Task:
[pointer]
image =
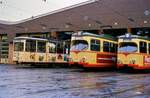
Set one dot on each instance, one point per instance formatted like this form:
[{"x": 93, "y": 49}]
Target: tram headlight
[{"x": 132, "y": 61}]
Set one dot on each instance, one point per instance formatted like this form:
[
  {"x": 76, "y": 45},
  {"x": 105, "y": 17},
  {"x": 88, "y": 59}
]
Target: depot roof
[{"x": 93, "y": 14}]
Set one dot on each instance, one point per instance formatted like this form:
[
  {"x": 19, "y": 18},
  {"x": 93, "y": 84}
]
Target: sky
[{"x": 17, "y": 10}]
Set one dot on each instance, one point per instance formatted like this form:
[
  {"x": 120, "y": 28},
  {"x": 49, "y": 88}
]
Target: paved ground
[{"x": 71, "y": 83}]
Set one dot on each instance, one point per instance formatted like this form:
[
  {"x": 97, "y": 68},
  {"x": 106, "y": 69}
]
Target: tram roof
[
  {"x": 40, "y": 39},
  {"x": 94, "y": 14},
  {"x": 30, "y": 38},
  {"x": 133, "y": 37},
  {"x": 105, "y": 36}
]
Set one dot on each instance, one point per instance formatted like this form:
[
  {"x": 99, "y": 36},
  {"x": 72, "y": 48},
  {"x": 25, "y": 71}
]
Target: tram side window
[
  {"x": 52, "y": 48},
  {"x": 106, "y": 46},
  {"x": 112, "y": 47},
  {"x": 41, "y": 46},
  {"x": 60, "y": 48},
  {"x": 143, "y": 47},
  {"x": 30, "y": 45},
  {"x": 95, "y": 45},
  {"x": 18, "y": 46}
]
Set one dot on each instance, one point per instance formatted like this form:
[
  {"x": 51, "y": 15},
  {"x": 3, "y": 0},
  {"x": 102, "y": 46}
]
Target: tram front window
[
  {"x": 79, "y": 45},
  {"x": 18, "y": 46},
  {"x": 127, "y": 47}
]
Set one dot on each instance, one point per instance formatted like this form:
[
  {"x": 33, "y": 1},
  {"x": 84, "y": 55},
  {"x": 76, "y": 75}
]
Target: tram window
[
  {"x": 67, "y": 48},
  {"x": 30, "y": 45},
  {"x": 149, "y": 48},
  {"x": 116, "y": 46},
  {"x": 79, "y": 45},
  {"x": 18, "y": 46},
  {"x": 127, "y": 47},
  {"x": 60, "y": 48},
  {"x": 52, "y": 48},
  {"x": 106, "y": 46},
  {"x": 95, "y": 45},
  {"x": 41, "y": 46},
  {"x": 143, "y": 47},
  {"x": 112, "y": 47}
]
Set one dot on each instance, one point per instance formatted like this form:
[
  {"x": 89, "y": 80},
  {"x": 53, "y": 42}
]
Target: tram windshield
[
  {"x": 127, "y": 47},
  {"x": 18, "y": 46},
  {"x": 79, "y": 45}
]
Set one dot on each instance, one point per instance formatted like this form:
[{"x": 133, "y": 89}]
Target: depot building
[{"x": 114, "y": 17}]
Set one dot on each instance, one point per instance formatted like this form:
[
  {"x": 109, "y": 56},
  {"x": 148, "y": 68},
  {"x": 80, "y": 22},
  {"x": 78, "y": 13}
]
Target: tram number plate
[{"x": 127, "y": 40}]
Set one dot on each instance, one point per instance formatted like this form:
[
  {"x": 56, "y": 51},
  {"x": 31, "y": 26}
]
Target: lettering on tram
[
  {"x": 133, "y": 54},
  {"x": 38, "y": 50},
  {"x": 91, "y": 50}
]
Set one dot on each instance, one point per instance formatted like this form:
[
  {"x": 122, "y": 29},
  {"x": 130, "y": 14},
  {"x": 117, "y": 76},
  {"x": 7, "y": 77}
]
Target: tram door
[
  {"x": 57, "y": 52},
  {"x": 60, "y": 52},
  {"x": 51, "y": 55}
]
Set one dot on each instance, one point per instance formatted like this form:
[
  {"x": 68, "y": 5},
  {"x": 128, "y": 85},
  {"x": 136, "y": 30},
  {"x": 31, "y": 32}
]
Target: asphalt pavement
[{"x": 71, "y": 83}]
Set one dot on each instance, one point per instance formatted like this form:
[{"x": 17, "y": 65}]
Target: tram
[
  {"x": 29, "y": 50},
  {"x": 93, "y": 51},
  {"x": 133, "y": 52}
]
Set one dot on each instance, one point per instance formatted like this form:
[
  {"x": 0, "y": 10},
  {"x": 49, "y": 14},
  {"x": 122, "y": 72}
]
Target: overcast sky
[{"x": 16, "y": 10}]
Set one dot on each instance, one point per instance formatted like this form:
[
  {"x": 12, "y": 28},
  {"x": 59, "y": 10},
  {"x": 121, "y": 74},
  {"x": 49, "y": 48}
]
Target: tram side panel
[
  {"x": 133, "y": 54},
  {"x": 57, "y": 53},
  {"x": 90, "y": 58},
  {"x": 130, "y": 60},
  {"x": 38, "y": 51}
]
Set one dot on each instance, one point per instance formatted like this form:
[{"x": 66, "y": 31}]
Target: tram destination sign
[{"x": 127, "y": 39}]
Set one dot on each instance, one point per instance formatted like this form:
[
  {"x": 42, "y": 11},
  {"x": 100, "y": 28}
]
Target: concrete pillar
[{"x": 10, "y": 52}]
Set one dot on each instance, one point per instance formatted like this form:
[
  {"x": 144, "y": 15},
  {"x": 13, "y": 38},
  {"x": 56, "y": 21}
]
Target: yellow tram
[
  {"x": 93, "y": 51},
  {"x": 29, "y": 50},
  {"x": 133, "y": 52}
]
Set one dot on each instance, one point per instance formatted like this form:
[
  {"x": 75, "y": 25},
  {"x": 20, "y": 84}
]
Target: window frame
[
  {"x": 106, "y": 48},
  {"x": 96, "y": 44},
  {"x": 74, "y": 47},
  {"x": 143, "y": 49},
  {"x": 20, "y": 43},
  {"x": 32, "y": 46},
  {"x": 42, "y": 46}
]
